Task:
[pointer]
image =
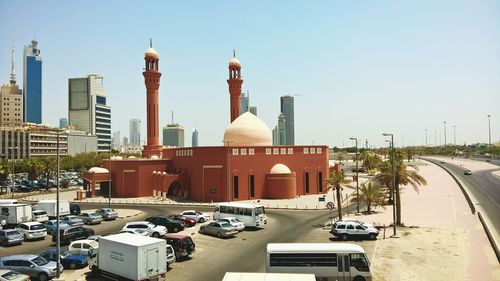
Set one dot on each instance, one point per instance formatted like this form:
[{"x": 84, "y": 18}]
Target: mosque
[{"x": 246, "y": 167}]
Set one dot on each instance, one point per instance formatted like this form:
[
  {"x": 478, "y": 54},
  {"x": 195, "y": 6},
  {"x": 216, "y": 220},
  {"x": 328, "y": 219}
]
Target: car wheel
[
  {"x": 202, "y": 230},
  {"x": 359, "y": 278},
  {"x": 72, "y": 265},
  {"x": 344, "y": 237},
  {"x": 373, "y": 236},
  {"x": 156, "y": 235},
  {"x": 202, "y": 220},
  {"x": 43, "y": 277},
  {"x": 25, "y": 237},
  {"x": 219, "y": 235}
]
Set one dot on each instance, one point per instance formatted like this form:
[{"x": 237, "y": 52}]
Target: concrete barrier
[{"x": 491, "y": 236}]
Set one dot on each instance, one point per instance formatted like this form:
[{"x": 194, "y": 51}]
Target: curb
[{"x": 484, "y": 221}]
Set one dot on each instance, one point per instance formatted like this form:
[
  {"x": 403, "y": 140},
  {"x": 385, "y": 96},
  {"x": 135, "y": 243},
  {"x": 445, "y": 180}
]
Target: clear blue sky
[{"x": 359, "y": 68}]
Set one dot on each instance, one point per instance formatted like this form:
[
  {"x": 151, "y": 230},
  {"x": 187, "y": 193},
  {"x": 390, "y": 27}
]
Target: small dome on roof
[
  {"x": 234, "y": 62},
  {"x": 98, "y": 170},
  {"x": 152, "y": 53},
  {"x": 247, "y": 130},
  {"x": 280, "y": 169}
]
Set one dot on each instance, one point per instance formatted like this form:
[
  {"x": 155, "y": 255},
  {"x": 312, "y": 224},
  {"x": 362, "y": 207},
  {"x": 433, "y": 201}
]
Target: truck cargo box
[
  {"x": 16, "y": 213},
  {"x": 50, "y": 206}
]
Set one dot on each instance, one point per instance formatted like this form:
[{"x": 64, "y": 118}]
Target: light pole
[
  {"x": 228, "y": 159},
  {"x": 357, "y": 180},
  {"x": 110, "y": 178},
  {"x": 444, "y": 133},
  {"x": 393, "y": 183},
  {"x": 454, "y": 135},
  {"x": 13, "y": 171},
  {"x": 58, "y": 260},
  {"x": 489, "y": 134},
  {"x": 425, "y": 137}
]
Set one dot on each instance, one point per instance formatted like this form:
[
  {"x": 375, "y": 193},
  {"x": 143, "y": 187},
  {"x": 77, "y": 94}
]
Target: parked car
[
  {"x": 73, "y": 233},
  {"x": 68, "y": 259},
  {"x": 353, "y": 220},
  {"x": 51, "y": 226},
  {"x": 351, "y": 229},
  {"x": 91, "y": 218},
  {"x": 199, "y": 217},
  {"x": 32, "y": 230},
  {"x": 234, "y": 222},
  {"x": 467, "y": 172},
  {"x": 10, "y": 237},
  {"x": 40, "y": 216},
  {"x": 153, "y": 230},
  {"x": 219, "y": 229},
  {"x": 107, "y": 214},
  {"x": 32, "y": 265},
  {"x": 170, "y": 224},
  {"x": 141, "y": 232},
  {"x": 188, "y": 221},
  {"x": 94, "y": 237},
  {"x": 170, "y": 255},
  {"x": 83, "y": 247},
  {"x": 74, "y": 209},
  {"x": 11, "y": 275},
  {"x": 183, "y": 244},
  {"x": 72, "y": 220}
]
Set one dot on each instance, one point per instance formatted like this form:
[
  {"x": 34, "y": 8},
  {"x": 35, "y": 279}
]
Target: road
[{"x": 484, "y": 186}]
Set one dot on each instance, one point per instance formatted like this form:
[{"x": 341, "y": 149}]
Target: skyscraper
[
  {"x": 173, "y": 135},
  {"x": 125, "y": 141},
  {"x": 32, "y": 84},
  {"x": 135, "y": 132},
  {"x": 244, "y": 103},
  {"x": 63, "y": 122},
  {"x": 88, "y": 111},
  {"x": 287, "y": 109},
  {"x": 253, "y": 110},
  {"x": 281, "y": 129},
  {"x": 11, "y": 97},
  {"x": 116, "y": 139},
  {"x": 194, "y": 138}
]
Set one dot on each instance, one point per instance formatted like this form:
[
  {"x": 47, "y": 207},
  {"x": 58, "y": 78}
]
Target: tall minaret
[
  {"x": 152, "y": 80},
  {"x": 13, "y": 67},
  {"x": 235, "y": 82}
]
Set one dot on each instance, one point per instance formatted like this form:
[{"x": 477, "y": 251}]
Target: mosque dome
[
  {"x": 234, "y": 62},
  {"x": 98, "y": 170},
  {"x": 152, "y": 53},
  {"x": 280, "y": 169},
  {"x": 248, "y": 130}
]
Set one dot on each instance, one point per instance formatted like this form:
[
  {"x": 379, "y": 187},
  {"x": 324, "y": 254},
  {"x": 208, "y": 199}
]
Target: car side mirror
[{"x": 32, "y": 265}]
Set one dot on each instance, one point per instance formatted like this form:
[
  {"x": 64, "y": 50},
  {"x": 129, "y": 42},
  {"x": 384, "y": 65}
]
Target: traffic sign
[{"x": 330, "y": 205}]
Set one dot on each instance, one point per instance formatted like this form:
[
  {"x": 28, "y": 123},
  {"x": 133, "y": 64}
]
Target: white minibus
[
  {"x": 327, "y": 261},
  {"x": 250, "y": 214}
]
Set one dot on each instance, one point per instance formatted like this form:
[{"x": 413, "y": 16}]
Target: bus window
[
  {"x": 259, "y": 211},
  {"x": 216, "y": 209},
  {"x": 359, "y": 262}
]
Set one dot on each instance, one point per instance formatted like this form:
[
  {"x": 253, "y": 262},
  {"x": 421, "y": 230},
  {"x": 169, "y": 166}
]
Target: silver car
[
  {"x": 91, "y": 218},
  {"x": 32, "y": 230},
  {"x": 10, "y": 237},
  {"x": 32, "y": 265},
  {"x": 219, "y": 229},
  {"x": 107, "y": 213},
  {"x": 72, "y": 220}
]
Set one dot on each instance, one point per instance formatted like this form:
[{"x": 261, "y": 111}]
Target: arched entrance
[{"x": 175, "y": 189}]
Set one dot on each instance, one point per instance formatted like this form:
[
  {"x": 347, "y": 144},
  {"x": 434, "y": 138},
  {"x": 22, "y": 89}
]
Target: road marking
[
  {"x": 452, "y": 203},
  {"x": 374, "y": 250}
]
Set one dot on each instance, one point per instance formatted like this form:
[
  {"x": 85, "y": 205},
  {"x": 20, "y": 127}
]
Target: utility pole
[
  {"x": 444, "y": 133},
  {"x": 454, "y": 135},
  {"x": 425, "y": 137},
  {"x": 357, "y": 176},
  {"x": 489, "y": 135}
]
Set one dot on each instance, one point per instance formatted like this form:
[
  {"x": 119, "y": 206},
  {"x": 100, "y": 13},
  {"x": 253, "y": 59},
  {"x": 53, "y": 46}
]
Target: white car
[
  {"x": 83, "y": 247},
  {"x": 199, "y": 217},
  {"x": 137, "y": 231},
  {"x": 355, "y": 220},
  {"x": 32, "y": 230},
  {"x": 152, "y": 230},
  {"x": 234, "y": 222},
  {"x": 40, "y": 216}
]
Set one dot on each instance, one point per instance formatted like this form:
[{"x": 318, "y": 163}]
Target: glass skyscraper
[
  {"x": 32, "y": 84},
  {"x": 287, "y": 109},
  {"x": 194, "y": 138}
]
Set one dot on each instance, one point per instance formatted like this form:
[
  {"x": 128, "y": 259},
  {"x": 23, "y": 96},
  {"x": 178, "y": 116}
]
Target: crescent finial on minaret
[{"x": 150, "y": 43}]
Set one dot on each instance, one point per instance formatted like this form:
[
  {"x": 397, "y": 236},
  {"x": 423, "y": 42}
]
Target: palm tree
[
  {"x": 33, "y": 167},
  {"x": 336, "y": 179},
  {"x": 370, "y": 194},
  {"x": 48, "y": 168},
  {"x": 403, "y": 176},
  {"x": 4, "y": 174}
]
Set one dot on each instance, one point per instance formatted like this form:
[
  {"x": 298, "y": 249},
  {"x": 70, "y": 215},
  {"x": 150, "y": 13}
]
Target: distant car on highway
[
  {"x": 467, "y": 172},
  {"x": 219, "y": 229}
]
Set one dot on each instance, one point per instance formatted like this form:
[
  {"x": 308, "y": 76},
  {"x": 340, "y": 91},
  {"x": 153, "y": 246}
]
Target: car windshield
[
  {"x": 39, "y": 261},
  {"x": 12, "y": 233},
  {"x": 37, "y": 227},
  {"x": 95, "y": 215},
  {"x": 226, "y": 224},
  {"x": 169, "y": 250}
]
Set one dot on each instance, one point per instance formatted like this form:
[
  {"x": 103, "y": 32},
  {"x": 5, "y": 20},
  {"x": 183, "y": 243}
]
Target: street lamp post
[
  {"x": 489, "y": 135},
  {"x": 444, "y": 133},
  {"x": 454, "y": 135},
  {"x": 13, "y": 171},
  {"x": 425, "y": 137},
  {"x": 357, "y": 180},
  {"x": 393, "y": 183},
  {"x": 58, "y": 251},
  {"x": 110, "y": 179}
]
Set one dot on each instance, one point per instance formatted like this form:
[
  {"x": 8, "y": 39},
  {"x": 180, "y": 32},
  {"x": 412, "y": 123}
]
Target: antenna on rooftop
[{"x": 172, "y": 117}]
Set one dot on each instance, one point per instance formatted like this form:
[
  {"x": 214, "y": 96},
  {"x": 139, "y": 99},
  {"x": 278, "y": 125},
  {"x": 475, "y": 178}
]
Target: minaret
[
  {"x": 235, "y": 82},
  {"x": 152, "y": 80},
  {"x": 13, "y": 67}
]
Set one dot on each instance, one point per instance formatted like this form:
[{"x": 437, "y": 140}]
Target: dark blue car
[{"x": 68, "y": 260}]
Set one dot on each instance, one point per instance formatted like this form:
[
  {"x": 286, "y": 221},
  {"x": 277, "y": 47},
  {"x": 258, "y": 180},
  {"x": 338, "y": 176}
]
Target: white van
[
  {"x": 327, "y": 261},
  {"x": 40, "y": 216}
]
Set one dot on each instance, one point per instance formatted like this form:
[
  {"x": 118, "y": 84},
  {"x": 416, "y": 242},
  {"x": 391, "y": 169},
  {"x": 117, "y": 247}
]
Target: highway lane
[{"x": 484, "y": 186}]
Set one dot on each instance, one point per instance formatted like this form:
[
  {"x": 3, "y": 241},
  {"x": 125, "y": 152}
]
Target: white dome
[
  {"x": 234, "y": 62},
  {"x": 247, "y": 130},
  {"x": 280, "y": 169},
  {"x": 98, "y": 170},
  {"x": 152, "y": 53}
]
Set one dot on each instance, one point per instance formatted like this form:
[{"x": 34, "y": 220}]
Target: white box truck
[
  {"x": 16, "y": 213},
  {"x": 50, "y": 206},
  {"x": 130, "y": 256},
  {"x": 252, "y": 276}
]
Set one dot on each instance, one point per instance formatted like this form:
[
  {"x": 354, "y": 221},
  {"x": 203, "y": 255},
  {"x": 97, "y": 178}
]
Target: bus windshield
[
  {"x": 360, "y": 262},
  {"x": 260, "y": 211}
]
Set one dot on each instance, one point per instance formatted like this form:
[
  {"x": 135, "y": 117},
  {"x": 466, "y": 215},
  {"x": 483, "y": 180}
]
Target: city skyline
[{"x": 343, "y": 63}]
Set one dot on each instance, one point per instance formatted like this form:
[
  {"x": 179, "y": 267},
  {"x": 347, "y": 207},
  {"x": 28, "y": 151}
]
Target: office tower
[
  {"x": 244, "y": 103},
  {"x": 194, "y": 138},
  {"x": 135, "y": 132},
  {"x": 125, "y": 141},
  {"x": 11, "y": 99},
  {"x": 88, "y": 111},
  {"x": 287, "y": 109},
  {"x": 116, "y": 139},
  {"x": 32, "y": 84},
  {"x": 63, "y": 123},
  {"x": 275, "y": 135},
  {"x": 173, "y": 135},
  {"x": 281, "y": 129},
  {"x": 253, "y": 110}
]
